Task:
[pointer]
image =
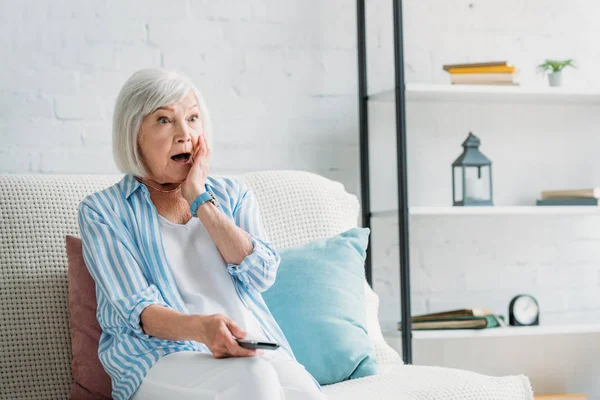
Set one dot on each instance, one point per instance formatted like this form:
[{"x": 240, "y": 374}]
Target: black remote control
[{"x": 256, "y": 344}]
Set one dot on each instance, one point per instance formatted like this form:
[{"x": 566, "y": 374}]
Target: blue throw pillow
[{"x": 318, "y": 300}]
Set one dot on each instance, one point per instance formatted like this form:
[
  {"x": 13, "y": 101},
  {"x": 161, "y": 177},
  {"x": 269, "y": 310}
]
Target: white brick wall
[
  {"x": 483, "y": 261},
  {"x": 524, "y": 32},
  {"x": 280, "y": 79}
]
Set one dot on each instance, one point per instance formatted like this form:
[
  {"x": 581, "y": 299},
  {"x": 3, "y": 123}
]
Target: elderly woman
[{"x": 180, "y": 259}]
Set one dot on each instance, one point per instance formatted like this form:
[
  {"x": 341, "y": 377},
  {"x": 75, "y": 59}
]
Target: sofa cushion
[
  {"x": 384, "y": 353},
  {"x": 318, "y": 300},
  {"x": 417, "y": 382},
  {"x": 91, "y": 382}
]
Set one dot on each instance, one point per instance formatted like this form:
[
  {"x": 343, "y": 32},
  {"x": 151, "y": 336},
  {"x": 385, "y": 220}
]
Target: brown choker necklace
[{"x": 157, "y": 189}]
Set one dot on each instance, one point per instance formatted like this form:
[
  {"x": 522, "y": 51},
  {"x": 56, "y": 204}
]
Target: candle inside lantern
[{"x": 475, "y": 189}]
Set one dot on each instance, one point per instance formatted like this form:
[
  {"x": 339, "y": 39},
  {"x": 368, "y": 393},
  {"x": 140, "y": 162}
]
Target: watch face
[{"x": 525, "y": 310}]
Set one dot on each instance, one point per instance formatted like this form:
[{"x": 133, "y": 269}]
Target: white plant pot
[{"x": 555, "y": 79}]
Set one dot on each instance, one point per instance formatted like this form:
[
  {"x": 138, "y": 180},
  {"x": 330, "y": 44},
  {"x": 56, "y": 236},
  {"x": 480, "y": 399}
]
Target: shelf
[
  {"x": 498, "y": 332},
  {"x": 494, "y": 210},
  {"x": 478, "y": 93}
]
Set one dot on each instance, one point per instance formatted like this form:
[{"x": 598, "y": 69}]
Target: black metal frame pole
[
  {"x": 401, "y": 168},
  {"x": 363, "y": 130},
  {"x": 402, "y": 185}
]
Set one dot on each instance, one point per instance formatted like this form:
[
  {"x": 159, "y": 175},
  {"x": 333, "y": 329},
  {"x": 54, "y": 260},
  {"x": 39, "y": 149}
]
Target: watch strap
[{"x": 201, "y": 199}]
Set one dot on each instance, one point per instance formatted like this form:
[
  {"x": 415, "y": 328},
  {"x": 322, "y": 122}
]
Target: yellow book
[
  {"x": 506, "y": 69},
  {"x": 565, "y": 396}
]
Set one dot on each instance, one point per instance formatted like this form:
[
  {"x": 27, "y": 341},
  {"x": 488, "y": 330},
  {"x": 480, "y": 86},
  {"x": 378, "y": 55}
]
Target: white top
[{"x": 202, "y": 278}]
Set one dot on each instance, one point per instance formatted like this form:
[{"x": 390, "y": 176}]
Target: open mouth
[{"x": 182, "y": 158}]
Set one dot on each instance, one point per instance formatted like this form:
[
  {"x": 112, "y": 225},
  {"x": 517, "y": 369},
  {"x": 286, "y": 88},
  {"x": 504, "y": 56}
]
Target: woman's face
[{"x": 165, "y": 135}]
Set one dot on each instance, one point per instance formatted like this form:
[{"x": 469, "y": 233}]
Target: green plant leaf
[{"x": 549, "y": 66}]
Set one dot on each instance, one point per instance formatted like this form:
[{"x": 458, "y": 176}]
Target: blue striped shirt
[{"x": 124, "y": 253}]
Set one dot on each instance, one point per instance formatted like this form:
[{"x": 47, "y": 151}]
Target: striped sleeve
[
  {"x": 259, "y": 268},
  {"x": 113, "y": 262}
]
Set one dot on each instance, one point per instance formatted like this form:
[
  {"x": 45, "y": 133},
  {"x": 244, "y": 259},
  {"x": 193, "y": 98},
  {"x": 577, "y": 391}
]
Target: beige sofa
[{"x": 37, "y": 211}]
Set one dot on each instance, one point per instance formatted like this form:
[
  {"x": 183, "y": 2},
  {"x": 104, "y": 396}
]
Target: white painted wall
[{"x": 280, "y": 79}]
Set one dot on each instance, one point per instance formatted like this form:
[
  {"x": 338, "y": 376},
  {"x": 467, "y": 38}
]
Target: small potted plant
[{"x": 554, "y": 68}]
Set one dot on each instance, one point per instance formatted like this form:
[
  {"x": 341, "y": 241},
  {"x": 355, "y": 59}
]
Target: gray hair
[{"x": 144, "y": 92}]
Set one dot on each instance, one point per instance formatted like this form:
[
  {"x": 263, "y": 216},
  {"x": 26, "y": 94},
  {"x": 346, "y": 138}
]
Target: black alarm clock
[{"x": 524, "y": 310}]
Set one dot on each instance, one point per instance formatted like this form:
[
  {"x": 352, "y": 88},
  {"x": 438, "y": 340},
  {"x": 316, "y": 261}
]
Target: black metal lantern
[{"x": 472, "y": 176}]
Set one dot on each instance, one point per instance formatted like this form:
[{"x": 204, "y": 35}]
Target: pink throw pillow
[{"x": 91, "y": 382}]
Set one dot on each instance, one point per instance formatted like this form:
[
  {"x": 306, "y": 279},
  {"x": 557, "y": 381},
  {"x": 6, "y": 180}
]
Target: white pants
[{"x": 187, "y": 375}]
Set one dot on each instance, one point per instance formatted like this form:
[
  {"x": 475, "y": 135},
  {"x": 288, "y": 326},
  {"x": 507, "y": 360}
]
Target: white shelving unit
[
  {"x": 499, "y": 332},
  {"x": 555, "y": 358},
  {"x": 382, "y": 139},
  {"x": 495, "y": 210},
  {"x": 511, "y": 94}
]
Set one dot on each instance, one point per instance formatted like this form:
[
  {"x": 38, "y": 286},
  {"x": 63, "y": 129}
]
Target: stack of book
[
  {"x": 570, "y": 197},
  {"x": 485, "y": 73},
  {"x": 466, "y": 318}
]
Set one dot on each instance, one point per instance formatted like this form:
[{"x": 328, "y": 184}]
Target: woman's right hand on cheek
[{"x": 216, "y": 332}]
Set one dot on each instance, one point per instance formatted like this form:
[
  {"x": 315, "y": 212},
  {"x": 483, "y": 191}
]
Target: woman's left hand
[{"x": 193, "y": 186}]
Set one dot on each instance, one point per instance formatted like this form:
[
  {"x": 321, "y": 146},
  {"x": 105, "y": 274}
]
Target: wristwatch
[{"x": 201, "y": 199}]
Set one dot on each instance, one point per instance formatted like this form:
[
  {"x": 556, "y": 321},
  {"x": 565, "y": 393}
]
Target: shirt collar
[{"x": 128, "y": 184}]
